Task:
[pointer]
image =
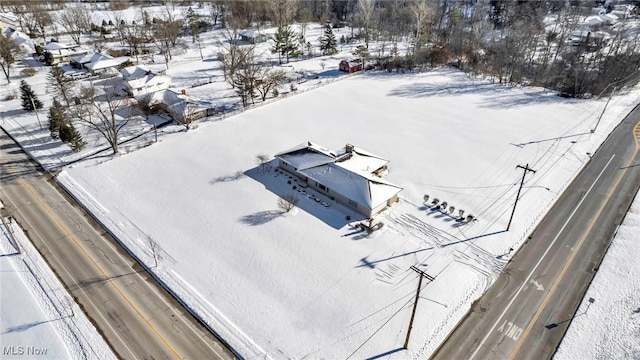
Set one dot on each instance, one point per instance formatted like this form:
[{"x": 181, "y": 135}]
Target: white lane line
[{"x": 528, "y": 278}]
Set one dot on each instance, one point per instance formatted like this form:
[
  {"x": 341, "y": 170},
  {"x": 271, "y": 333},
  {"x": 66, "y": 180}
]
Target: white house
[
  {"x": 21, "y": 39},
  {"x": 138, "y": 81},
  {"x": 351, "y": 176},
  {"x": 64, "y": 52},
  {"x": 180, "y": 106}
]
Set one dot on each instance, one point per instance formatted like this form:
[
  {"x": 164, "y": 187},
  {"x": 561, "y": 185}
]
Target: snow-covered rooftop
[
  {"x": 349, "y": 173},
  {"x": 88, "y": 58},
  {"x": 106, "y": 63}
]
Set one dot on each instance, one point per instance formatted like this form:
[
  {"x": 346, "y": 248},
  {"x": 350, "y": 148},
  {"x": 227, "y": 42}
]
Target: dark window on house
[{"x": 322, "y": 187}]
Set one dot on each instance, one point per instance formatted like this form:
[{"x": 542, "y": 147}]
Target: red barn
[{"x": 350, "y": 66}]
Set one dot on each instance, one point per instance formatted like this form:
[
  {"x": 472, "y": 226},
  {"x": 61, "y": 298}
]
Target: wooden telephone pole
[
  {"x": 525, "y": 168},
  {"x": 415, "y": 303}
]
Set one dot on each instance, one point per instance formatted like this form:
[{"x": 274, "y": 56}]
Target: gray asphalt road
[
  {"x": 525, "y": 314},
  {"x": 135, "y": 315}
]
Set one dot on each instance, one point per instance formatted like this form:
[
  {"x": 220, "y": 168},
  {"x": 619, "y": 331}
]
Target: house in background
[
  {"x": 138, "y": 81},
  {"x": 350, "y": 66},
  {"x": 63, "y": 52},
  {"x": 21, "y": 39},
  {"x": 180, "y": 106},
  {"x": 252, "y": 37},
  {"x": 351, "y": 176}
]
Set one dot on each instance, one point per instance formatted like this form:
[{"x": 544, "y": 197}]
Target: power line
[
  {"x": 525, "y": 168},
  {"x": 415, "y": 303}
]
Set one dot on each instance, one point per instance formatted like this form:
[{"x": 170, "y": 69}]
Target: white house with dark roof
[{"x": 351, "y": 176}]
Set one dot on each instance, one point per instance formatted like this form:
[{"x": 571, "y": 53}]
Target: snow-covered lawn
[
  {"x": 609, "y": 327},
  {"x": 38, "y": 318},
  {"x": 306, "y": 283}
]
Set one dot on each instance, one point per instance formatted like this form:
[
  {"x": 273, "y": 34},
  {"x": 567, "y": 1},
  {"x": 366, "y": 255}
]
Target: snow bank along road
[
  {"x": 525, "y": 314},
  {"x": 137, "y": 317}
]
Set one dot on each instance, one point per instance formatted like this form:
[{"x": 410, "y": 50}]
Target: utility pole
[
  {"x": 605, "y": 108},
  {"x": 415, "y": 303},
  {"x": 36, "y": 110},
  {"x": 525, "y": 168}
]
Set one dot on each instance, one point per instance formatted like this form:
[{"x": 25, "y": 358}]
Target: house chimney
[
  {"x": 184, "y": 92},
  {"x": 348, "y": 148}
]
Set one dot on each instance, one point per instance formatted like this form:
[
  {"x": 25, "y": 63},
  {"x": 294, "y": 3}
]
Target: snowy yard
[
  {"x": 38, "y": 318},
  {"x": 292, "y": 285}
]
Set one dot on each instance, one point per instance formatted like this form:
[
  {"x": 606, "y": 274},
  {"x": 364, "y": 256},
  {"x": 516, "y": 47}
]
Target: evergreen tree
[
  {"x": 59, "y": 84},
  {"x": 48, "y": 58},
  {"x": 328, "y": 44},
  {"x": 285, "y": 43},
  {"x": 56, "y": 119},
  {"x": 30, "y": 101},
  {"x": 194, "y": 26},
  {"x": 362, "y": 52},
  {"x": 72, "y": 137}
]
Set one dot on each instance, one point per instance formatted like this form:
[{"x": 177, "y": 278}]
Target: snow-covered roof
[
  {"x": 360, "y": 161},
  {"x": 88, "y": 58},
  {"x": 138, "y": 82},
  {"x": 19, "y": 38},
  {"x": 307, "y": 155},
  {"x": 176, "y": 102},
  {"x": 367, "y": 191},
  {"x": 134, "y": 72},
  {"x": 106, "y": 63},
  {"x": 349, "y": 173},
  {"x": 249, "y": 34},
  {"x": 57, "y": 46}
]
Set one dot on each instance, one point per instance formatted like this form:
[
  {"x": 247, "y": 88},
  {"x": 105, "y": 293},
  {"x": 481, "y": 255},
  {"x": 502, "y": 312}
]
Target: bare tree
[
  {"x": 282, "y": 11},
  {"x": 422, "y": 15},
  {"x": 263, "y": 161},
  {"x": 75, "y": 20},
  {"x": 37, "y": 18},
  {"x": 165, "y": 33},
  {"x": 154, "y": 250},
  {"x": 269, "y": 80},
  {"x": 287, "y": 202},
  {"x": 184, "y": 112},
  {"x": 365, "y": 16},
  {"x": 144, "y": 105},
  {"x": 8, "y": 52},
  {"x": 103, "y": 116},
  {"x": 233, "y": 54}
]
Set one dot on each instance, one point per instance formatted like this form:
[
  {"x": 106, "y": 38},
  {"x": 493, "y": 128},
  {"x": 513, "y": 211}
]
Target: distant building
[
  {"x": 21, "y": 39},
  {"x": 96, "y": 62},
  {"x": 180, "y": 106},
  {"x": 63, "y": 52},
  {"x": 351, "y": 176},
  {"x": 252, "y": 37},
  {"x": 350, "y": 66},
  {"x": 138, "y": 81}
]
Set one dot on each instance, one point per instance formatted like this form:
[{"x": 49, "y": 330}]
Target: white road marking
[{"x": 540, "y": 261}]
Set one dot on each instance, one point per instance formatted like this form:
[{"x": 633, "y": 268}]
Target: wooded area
[{"x": 531, "y": 42}]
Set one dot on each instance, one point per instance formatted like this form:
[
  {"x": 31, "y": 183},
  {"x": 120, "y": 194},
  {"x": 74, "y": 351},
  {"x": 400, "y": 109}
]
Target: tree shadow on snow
[
  {"x": 261, "y": 217},
  {"x": 496, "y": 95}
]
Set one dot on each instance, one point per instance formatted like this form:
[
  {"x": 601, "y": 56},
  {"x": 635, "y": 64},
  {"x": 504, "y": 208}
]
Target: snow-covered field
[
  {"x": 609, "y": 327},
  {"x": 38, "y": 317},
  {"x": 308, "y": 284}
]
